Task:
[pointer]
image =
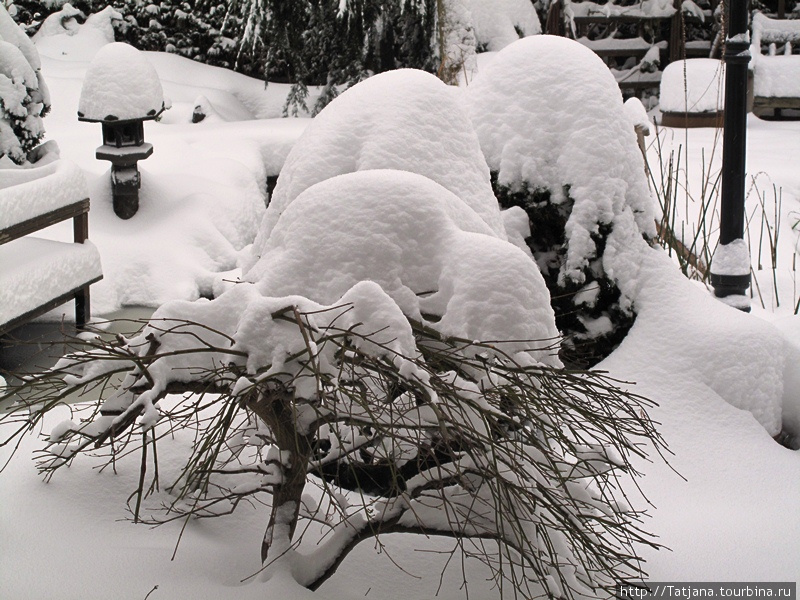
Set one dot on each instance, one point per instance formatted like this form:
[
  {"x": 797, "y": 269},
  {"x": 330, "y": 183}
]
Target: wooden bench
[
  {"x": 38, "y": 275},
  {"x": 776, "y": 74}
]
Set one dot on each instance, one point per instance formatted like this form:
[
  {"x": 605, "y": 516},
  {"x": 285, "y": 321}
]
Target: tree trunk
[{"x": 276, "y": 409}]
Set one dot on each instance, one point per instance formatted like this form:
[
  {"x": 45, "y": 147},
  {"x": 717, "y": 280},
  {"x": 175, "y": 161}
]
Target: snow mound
[
  {"x": 406, "y": 120},
  {"x": 62, "y": 37},
  {"x": 549, "y": 113},
  {"x": 683, "y": 332},
  {"x": 64, "y": 21},
  {"x": 10, "y": 32},
  {"x": 637, "y": 114},
  {"x": 120, "y": 84},
  {"x": 500, "y": 22},
  {"x": 430, "y": 252},
  {"x": 694, "y": 85}
]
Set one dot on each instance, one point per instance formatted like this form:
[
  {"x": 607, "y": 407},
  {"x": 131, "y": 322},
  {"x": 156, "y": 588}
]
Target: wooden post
[
  {"x": 80, "y": 230},
  {"x": 677, "y": 48}
]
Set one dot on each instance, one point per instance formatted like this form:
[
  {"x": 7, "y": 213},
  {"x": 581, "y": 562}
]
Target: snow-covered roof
[
  {"x": 695, "y": 85},
  {"x": 120, "y": 85}
]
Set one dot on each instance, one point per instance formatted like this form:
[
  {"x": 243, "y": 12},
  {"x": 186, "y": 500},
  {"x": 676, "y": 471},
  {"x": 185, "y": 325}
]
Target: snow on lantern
[{"x": 122, "y": 91}]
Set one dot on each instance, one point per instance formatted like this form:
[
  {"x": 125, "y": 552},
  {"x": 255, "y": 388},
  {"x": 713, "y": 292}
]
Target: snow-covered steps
[
  {"x": 37, "y": 275},
  {"x": 616, "y": 47},
  {"x": 636, "y": 79},
  {"x": 29, "y": 193}
]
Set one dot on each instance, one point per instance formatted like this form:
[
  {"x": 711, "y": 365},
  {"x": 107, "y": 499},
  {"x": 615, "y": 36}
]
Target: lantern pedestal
[{"x": 125, "y": 177}]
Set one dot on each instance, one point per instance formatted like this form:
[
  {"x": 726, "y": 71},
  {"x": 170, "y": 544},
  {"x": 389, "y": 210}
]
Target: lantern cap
[{"x": 120, "y": 85}]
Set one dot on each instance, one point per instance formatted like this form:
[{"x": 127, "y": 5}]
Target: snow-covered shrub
[
  {"x": 551, "y": 124},
  {"x": 438, "y": 433},
  {"x": 24, "y": 98},
  {"x": 386, "y": 366},
  {"x": 386, "y": 122}
]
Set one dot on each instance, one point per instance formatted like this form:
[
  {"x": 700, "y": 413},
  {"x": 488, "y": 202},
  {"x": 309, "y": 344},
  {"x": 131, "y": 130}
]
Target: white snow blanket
[
  {"x": 37, "y": 270},
  {"x": 120, "y": 85},
  {"x": 537, "y": 125},
  {"x": 695, "y": 85}
]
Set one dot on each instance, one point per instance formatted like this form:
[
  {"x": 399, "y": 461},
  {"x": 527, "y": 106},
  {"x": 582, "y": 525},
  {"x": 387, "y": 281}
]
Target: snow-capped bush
[
  {"x": 385, "y": 122},
  {"x": 386, "y": 366},
  {"x": 551, "y": 124},
  {"x": 426, "y": 248},
  {"x": 24, "y": 98}
]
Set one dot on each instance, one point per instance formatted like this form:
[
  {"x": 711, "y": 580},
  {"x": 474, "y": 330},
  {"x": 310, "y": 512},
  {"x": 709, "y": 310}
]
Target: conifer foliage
[
  {"x": 332, "y": 44},
  {"x": 24, "y": 98}
]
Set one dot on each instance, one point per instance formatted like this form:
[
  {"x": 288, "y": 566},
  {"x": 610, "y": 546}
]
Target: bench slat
[
  {"x": 46, "y": 307},
  {"x": 40, "y": 222}
]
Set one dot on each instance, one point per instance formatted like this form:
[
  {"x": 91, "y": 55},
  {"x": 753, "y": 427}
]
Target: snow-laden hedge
[
  {"x": 551, "y": 124},
  {"x": 388, "y": 365}
]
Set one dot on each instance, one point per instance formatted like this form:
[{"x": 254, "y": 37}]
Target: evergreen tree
[
  {"x": 335, "y": 44},
  {"x": 24, "y": 98}
]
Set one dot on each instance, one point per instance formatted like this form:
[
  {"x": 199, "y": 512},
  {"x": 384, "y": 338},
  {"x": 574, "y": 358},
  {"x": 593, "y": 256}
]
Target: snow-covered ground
[
  {"x": 203, "y": 190},
  {"x": 733, "y": 514},
  {"x": 772, "y": 202}
]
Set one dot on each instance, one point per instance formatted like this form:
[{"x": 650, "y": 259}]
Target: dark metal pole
[{"x": 731, "y": 277}]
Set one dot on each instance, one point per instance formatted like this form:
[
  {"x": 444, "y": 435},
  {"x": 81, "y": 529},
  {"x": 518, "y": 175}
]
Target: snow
[
  {"x": 525, "y": 136},
  {"x": 772, "y": 201},
  {"x": 722, "y": 379},
  {"x": 411, "y": 236},
  {"x": 62, "y": 37},
  {"x": 29, "y": 193},
  {"x": 120, "y": 85},
  {"x": 62, "y": 21},
  {"x": 497, "y": 22},
  {"x": 383, "y": 123},
  {"x": 36, "y": 269},
  {"x": 695, "y": 85},
  {"x": 203, "y": 189},
  {"x": 776, "y": 76},
  {"x": 731, "y": 259}
]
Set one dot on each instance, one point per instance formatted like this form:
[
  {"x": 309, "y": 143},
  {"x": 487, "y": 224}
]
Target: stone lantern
[{"x": 122, "y": 91}]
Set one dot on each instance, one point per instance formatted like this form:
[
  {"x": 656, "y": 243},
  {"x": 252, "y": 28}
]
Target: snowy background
[{"x": 723, "y": 379}]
